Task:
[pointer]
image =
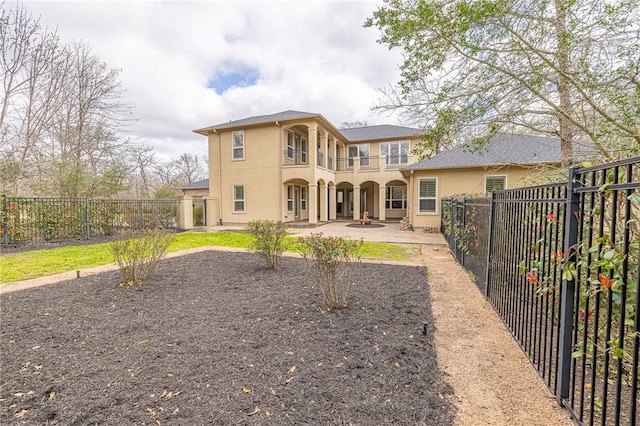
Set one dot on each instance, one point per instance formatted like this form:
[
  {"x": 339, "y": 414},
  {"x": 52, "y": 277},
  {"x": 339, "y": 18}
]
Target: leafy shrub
[
  {"x": 138, "y": 252},
  {"x": 269, "y": 240},
  {"x": 198, "y": 215},
  {"x": 332, "y": 261}
]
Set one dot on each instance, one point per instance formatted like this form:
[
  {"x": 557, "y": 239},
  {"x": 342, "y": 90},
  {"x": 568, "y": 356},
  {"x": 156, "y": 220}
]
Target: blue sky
[{"x": 189, "y": 64}]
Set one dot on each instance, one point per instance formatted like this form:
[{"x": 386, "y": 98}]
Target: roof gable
[
  {"x": 269, "y": 118},
  {"x": 201, "y": 184}
]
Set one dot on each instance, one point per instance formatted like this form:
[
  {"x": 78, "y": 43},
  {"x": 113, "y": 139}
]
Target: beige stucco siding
[
  {"x": 450, "y": 182},
  {"x": 259, "y": 173}
]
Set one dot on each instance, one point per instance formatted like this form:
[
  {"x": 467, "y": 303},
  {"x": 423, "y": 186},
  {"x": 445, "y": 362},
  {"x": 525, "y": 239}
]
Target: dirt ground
[
  {"x": 491, "y": 380},
  {"x": 217, "y": 338}
]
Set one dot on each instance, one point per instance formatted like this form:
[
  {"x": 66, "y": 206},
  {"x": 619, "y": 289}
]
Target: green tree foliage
[{"x": 568, "y": 68}]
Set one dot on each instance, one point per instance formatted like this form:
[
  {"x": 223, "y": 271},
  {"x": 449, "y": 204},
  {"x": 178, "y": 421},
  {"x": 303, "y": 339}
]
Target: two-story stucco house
[{"x": 298, "y": 167}]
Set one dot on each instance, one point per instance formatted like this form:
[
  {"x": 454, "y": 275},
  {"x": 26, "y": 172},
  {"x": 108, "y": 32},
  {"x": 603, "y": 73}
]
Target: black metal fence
[
  {"x": 465, "y": 224},
  {"x": 563, "y": 273},
  {"x": 31, "y": 220}
]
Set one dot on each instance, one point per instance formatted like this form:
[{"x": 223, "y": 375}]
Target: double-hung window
[
  {"x": 396, "y": 152},
  {"x": 361, "y": 151},
  {"x": 494, "y": 182},
  {"x": 303, "y": 198},
  {"x": 237, "y": 145},
  {"x": 427, "y": 195},
  {"x": 290, "y": 193},
  {"x": 290, "y": 144},
  {"x": 238, "y": 198},
  {"x": 396, "y": 198},
  {"x": 303, "y": 150}
]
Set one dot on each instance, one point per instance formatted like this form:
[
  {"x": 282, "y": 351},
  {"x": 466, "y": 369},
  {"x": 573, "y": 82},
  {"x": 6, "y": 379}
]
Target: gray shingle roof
[
  {"x": 503, "y": 148},
  {"x": 284, "y": 115},
  {"x": 201, "y": 184},
  {"x": 379, "y": 132}
]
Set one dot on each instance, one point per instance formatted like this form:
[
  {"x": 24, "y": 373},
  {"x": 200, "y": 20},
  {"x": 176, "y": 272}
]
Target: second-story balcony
[
  {"x": 295, "y": 157},
  {"x": 373, "y": 162}
]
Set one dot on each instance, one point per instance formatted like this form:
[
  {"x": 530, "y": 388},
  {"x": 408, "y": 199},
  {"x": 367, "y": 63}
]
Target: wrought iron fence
[
  {"x": 563, "y": 274},
  {"x": 30, "y": 220},
  {"x": 465, "y": 224}
]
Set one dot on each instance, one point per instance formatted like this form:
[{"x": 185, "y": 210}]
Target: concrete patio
[{"x": 389, "y": 232}]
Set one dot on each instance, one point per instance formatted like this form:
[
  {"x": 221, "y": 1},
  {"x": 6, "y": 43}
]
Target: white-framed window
[
  {"x": 494, "y": 182},
  {"x": 396, "y": 198},
  {"x": 361, "y": 151},
  {"x": 290, "y": 144},
  {"x": 237, "y": 145},
  {"x": 238, "y": 199},
  {"x": 396, "y": 152},
  {"x": 290, "y": 193},
  {"x": 303, "y": 150},
  {"x": 427, "y": 195},
  {"x": 303, "y": 198}
]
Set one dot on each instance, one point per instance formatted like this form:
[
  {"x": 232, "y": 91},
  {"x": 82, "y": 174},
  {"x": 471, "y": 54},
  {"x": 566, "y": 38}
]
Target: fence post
[
  {"x": 86, "y": 214},
  {"x": 492, "y": 203},
  {"x": 454, "y": 221},
  {"x": 464, "y": 224},
  {"x": 5, "y": 228},
  {"x": 567, "y": 302}
]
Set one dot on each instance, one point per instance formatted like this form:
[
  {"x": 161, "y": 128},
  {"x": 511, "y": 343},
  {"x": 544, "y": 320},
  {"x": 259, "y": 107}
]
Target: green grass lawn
[{"x": 21, "y": 266}]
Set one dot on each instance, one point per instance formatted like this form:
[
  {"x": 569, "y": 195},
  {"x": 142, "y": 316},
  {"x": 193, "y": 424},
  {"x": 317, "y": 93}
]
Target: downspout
[
  {"x": 219, "y": 178},
  {"x": 280, "y": 171}
]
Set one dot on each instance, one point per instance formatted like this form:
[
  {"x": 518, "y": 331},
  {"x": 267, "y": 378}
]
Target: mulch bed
[{"x": 217, "y": 338}]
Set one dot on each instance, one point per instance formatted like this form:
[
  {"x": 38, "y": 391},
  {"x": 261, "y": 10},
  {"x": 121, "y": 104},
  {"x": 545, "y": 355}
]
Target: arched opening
[
  {"x": 344, "y": 200},
  {"x": 295, "y": 200}
]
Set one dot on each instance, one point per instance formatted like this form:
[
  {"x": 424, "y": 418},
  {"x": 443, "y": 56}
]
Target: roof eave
[{"x": 478, "y": 166}]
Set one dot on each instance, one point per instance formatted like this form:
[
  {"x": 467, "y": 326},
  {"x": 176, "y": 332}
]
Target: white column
[
  {"x": 382, "y": 195},
  {"x": 313, "y": 203},
  {"x": 324, "y": 149},
  {"x": 313, "y": 146},
  {"x": 185, "y": 215},
  {"x": 356, "y": 202},
  {"x": 323, "y": 203},
  {"x": 332, "y": 202}
]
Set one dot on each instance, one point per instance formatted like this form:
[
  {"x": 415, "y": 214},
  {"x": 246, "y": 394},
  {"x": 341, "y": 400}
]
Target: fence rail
[
  {"x": 562, "y": 271},
  {"x": 31, "y": 220}
]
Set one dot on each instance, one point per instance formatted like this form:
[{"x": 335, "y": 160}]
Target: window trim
[
  {"x": 243, "y": 199},
  {"x": 400, "y": 156},
  {"x": 435, "y": 198},
  {"x": 358, "y": 146},
  {"x": 291, "y": 144},
  {"x": 290, "y": 197},
  {"x": 388, "y": 199},
  {"x": 234, "y": 148},
  {"x": 494, "y": 176},
  {"x": 303, "y": 198}
]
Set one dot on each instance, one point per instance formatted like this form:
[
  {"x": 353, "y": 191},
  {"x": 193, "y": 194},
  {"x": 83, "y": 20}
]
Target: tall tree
[
  {"x": 62, "y": 113},
  {"x": 569, "y": 68}
]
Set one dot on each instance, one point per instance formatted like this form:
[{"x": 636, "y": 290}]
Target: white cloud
[{"x": 311, "y": 56}]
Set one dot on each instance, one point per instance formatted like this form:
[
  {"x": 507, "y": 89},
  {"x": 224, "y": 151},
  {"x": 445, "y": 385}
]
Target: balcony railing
[
  {"x": 295, "y": 157},
  {"x": 401, "y": 160}
]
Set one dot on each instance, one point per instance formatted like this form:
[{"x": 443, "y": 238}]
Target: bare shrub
[
  {"x": 269, "y": 240},
  {"x": 332, "y": 261},
  {"x": 138, "y": 252}
]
